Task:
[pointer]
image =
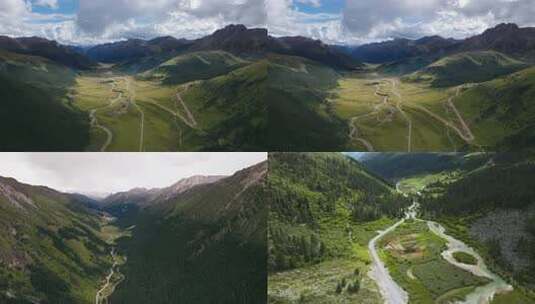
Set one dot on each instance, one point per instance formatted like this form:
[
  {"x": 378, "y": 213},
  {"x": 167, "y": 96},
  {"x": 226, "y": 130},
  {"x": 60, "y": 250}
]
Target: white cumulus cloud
[{"x": 359, "y": 21}]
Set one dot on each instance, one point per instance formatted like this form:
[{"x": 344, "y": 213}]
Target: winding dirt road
[
  {"x": 132, "y": 98},
  {"x": 463, "y": 131},
  {"x": 391, "y": 292},
  {"x": 385, "y": 97},
  {"x": 94, "y": 120},
  {"x": 353, "y": 129},
  {"x": 190, "y": 121},
  {"x": 399, "y": 106},
  {"x": 469, "y": 135},
  {"x": 354, "y": 133}
]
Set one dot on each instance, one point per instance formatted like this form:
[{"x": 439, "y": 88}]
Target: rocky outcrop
[{"x": 14, "y": 197}]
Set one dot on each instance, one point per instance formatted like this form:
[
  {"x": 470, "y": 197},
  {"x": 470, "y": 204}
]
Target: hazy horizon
[
  {"x": 106, "y": 173},
  {"x": 348, "y": 22}
]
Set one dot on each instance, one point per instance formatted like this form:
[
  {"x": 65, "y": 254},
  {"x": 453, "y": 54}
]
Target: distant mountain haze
[
  {"x": 236, "y": 39},
  {"x": 507, "y": 38},
  {"x": 48, "y": 49}
]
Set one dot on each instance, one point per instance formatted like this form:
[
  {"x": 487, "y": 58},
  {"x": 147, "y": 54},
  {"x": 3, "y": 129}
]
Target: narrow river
[
  {"x": 101, "y": 296},
  {"x": 482, "y": 294},
  {"x": 392, "y": 293}
]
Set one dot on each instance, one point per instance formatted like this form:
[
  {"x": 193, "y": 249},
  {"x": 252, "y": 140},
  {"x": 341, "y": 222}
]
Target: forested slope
[
  {"x": 493, "y": 209},
  {"x": 395, "y": 166},
  {"x": 207, "y": 245},
  {"x": 36, "y": 113},
  {"x": 315, "y": 200},
  {"x": 51, "y": 247}
]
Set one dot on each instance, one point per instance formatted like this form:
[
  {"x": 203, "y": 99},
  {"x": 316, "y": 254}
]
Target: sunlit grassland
[
  {"x": 162, "y": 131},
  {"x": 354, "y": 96},
  {"x": 92, "y": 92},
  {"x": 154, "y": 91},
  {"x": 430, "y": 135},
  {"x": 412, "y": 255},
  {"x": 219, "y": 107},
  {"x": 414, "y": 184},
  {"x": 383, "y": 125},
  {"x": 124, "y": 121}
]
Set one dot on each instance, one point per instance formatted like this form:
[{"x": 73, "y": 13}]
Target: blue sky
[
  {"x": 333, "y": 21},
  {"x": 69, "y": 7},
  {"x": 331, "y": 7}
]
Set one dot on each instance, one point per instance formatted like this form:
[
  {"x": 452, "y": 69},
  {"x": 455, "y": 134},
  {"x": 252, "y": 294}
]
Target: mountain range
[
  {"x": 204, "y": 233},
  {"x": 243, "y": 89},
  {"x": 506, "y": 38},
  {"x": 144, "y": 197},
  {"x": 236, "y": 39}
]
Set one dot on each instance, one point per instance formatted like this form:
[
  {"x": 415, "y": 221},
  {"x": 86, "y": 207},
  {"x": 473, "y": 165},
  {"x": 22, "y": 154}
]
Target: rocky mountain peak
[
  {"x": 503, "y": 28},
  {"x": 145, "y": 197},
  {"x": 186, "y": 184},
  {"x": 237, "y": 29}
]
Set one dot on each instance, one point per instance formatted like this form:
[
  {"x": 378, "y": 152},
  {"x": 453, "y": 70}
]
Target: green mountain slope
[
  {"x": 195, "y": 66},
  {"x": 36, "y": 113},
  {"x": 395, "y": 166},
  {"x": 231, "y": 110},
  {"x": 51, "y": 247},
  {"x": 500, "y": 182},
  {"x": 406, "y": 66},
  {"x": 315, "y": 200},
  {"x": 501, "y": 111},
  {"x": 276, "y": 103},
  {"x": 207, "y": 245},
  {"x": 324, "y": 209},
  {"x": 467, "y": 67},
  {"x": 300, "y": 118}
]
